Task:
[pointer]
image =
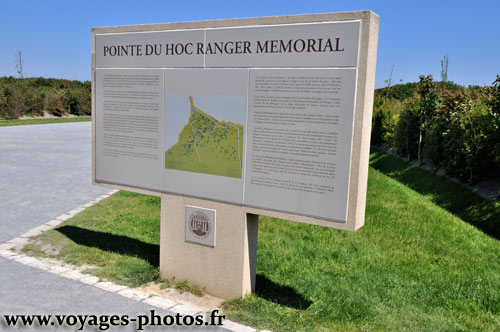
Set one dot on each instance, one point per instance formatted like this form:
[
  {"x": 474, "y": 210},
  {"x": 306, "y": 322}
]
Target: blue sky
[{"x": 54, "y": 36}]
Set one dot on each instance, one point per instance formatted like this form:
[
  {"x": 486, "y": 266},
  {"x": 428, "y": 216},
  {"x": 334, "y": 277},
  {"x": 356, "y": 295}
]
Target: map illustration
[{"x": 207, "y": 145}]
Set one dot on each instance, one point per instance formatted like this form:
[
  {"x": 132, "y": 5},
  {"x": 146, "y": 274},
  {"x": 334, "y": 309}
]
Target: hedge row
[
  {"x": 35, "y": 96},
  {"x": 456, "y": 129}
]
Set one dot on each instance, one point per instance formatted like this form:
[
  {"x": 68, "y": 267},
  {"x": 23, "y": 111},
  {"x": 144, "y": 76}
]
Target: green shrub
[
  {"x": 14, "y": 102},
  {"x": 34, "y": 102},
  {"x": 53, "y": 104},
  {"x": 3, "y": 103},
  {"x": 407, "y": 129},
  {"x": 399, "y": 92},
  {"x": 384, "y": 121},
  {"x": 33, "y": 96},
  {"x": 493, "y": 123},
  {"x": 467, "y": 141},
  {"x": 436, "y": 131},
  {"x": 434, "y": 143},
  {"x": 377, "y": 127},
  {"x": 444, "y": 124}
]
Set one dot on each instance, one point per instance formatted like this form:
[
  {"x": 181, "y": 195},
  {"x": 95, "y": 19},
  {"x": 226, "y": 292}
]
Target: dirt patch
[
  {"x": 207, "y": 302},
  {"x": 51, "y": 250},
  {"x": 46, "y": 115}
]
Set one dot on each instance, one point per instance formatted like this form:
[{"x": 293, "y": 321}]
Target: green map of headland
[{"x": 207, "y": 145}]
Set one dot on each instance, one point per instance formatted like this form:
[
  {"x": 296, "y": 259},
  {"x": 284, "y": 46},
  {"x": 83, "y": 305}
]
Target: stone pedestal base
[{"x": 226, "y": 271}]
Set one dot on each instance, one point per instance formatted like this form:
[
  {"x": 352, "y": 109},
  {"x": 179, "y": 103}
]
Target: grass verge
[
  {"x": 5, "y": 123},
  {"x": 482, "y": 213},
  {"x": 118, "y": 238},
  {"x": 413, "y": 267}
]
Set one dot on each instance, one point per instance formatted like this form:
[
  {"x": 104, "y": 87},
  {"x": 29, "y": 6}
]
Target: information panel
[
  {"x": 300, "y": 131},
  {"x": 129, "y": 116},
  {"x": 260, "y": 116}
]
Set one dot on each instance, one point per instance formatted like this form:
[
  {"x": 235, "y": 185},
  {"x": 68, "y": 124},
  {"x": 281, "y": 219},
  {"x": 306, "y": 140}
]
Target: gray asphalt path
[{"x": 45, "y": 171}]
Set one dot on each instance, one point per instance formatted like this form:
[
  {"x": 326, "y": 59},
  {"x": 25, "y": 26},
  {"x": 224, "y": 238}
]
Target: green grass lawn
[
  {"x": 119, "y": 236},
  {"x": 5, "y": 123},
  {"x": 414, "y": 266}
]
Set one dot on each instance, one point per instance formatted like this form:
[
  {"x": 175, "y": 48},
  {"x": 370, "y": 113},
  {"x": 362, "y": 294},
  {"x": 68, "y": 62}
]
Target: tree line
[
  {"x": 443, "y": 124},
  {"x": 37, "y": 96}
]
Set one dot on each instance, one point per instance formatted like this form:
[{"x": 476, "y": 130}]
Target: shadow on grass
[
  {"x": 477, "y": 211},
  {"x": 119, "y": 244},
  {"x": 282, "y": 295}
]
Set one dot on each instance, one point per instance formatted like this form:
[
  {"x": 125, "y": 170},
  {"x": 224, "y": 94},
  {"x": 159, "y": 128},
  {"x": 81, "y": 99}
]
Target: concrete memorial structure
[{"x": 227, "y": 120}]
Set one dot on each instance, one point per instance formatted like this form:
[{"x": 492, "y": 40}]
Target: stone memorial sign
[{"x": 260, "y": 116}]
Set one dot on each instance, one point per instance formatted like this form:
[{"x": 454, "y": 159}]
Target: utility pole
[{"x": 388, "y": 81}]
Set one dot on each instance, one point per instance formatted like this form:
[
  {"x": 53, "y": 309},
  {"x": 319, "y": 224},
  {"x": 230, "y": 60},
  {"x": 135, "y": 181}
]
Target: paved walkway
[{"x": 45, "y": 171}]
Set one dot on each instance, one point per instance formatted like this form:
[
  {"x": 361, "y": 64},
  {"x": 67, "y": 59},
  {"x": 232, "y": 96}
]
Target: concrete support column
[{"x": 227, "y": 270}]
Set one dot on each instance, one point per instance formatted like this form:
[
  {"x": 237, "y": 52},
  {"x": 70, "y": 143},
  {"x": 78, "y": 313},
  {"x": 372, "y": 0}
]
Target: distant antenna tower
[
  {"x": 444, "y": 69},
  {"x": 19, "y": 64}
]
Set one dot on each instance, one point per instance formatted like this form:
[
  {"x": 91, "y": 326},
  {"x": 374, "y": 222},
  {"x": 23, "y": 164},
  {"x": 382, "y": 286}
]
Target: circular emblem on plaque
[{"x": 199, "y": 224}]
